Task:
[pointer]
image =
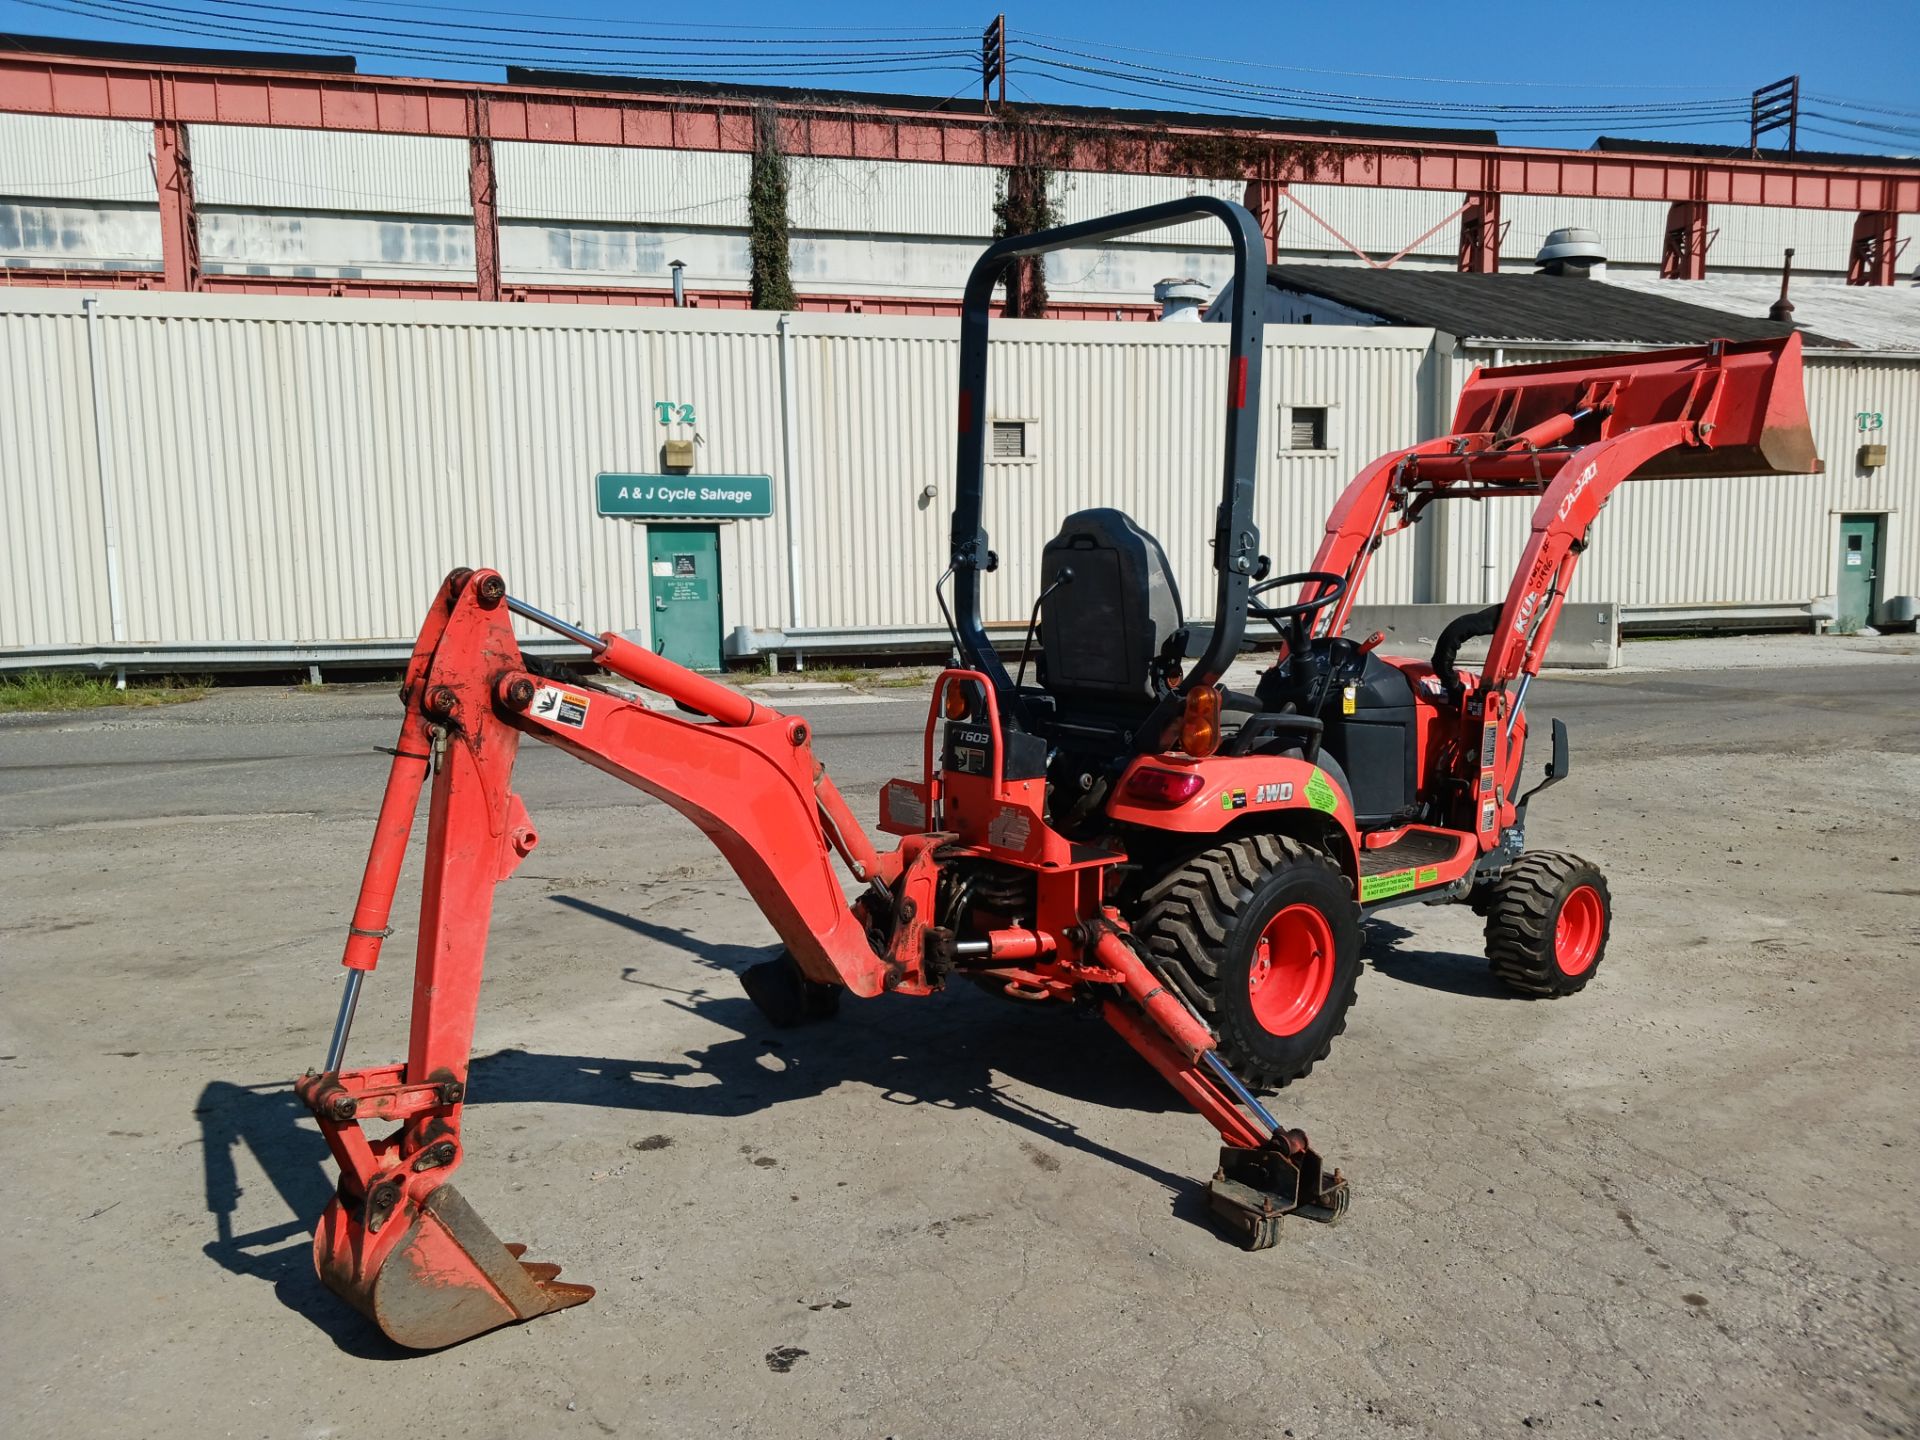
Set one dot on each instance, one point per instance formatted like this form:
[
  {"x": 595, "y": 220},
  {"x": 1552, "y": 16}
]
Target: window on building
[
  {"x": 1307, "y": 427},
  {"x": 1009, "y": 440}
]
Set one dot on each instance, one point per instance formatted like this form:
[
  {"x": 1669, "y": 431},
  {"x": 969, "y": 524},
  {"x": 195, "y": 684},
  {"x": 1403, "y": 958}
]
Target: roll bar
[{"x": 1236, "y": 539}]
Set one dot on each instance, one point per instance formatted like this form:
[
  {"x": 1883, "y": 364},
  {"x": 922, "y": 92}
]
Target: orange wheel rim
[
  {"x": 1292, "y": 971},
  {"x": 1576, "y": 934}
]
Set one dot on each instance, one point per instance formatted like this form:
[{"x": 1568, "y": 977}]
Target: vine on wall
[{"x": 770, "y": 278}]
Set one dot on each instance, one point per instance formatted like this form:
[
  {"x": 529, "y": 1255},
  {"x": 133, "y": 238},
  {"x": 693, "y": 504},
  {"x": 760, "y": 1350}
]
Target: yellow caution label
[{"x": 1347, "y": 700}]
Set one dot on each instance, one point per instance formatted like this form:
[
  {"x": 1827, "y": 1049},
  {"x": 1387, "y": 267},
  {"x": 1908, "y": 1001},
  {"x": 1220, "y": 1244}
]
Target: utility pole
[
  {"x": 1776, "y": 107},
  {"x": 993, "y": 61}
]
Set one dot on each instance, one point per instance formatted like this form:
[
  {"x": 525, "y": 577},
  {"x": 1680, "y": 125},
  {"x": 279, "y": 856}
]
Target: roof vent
[
  {"x": 1180, "y": 299},
  {"x": 1782, "y": 309},
  {"x": 1573, "y": 251}
]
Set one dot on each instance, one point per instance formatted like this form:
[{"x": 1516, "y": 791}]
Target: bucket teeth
[{"x": 445, "y": 1278}]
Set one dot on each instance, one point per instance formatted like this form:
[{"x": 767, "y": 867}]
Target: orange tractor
[{"x": 1122, "y": 832}]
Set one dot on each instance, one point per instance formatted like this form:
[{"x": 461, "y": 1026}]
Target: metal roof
[
  {"x": 1547, "y": 308},
  {"x": 1627, "y": 145},
  {"x": 1873, "y": 317}
]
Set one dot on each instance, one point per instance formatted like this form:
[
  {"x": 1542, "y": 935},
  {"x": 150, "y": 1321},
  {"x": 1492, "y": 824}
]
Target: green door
[
  {"x": 683, "y": 565},
  {"x": 1859, "y": 585}
]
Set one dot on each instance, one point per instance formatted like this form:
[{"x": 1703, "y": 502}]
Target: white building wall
[
  {"x": 1757, "y": 541},
  {"x": 338, "y": 204},
  {"x": 292, "y": 472},
  {"x": 53, "y": 157},
  {"x": 267, "y": 168}
]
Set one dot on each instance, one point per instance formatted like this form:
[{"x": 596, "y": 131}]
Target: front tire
[
  {"x": 1262, "y": 937},
  {"x": 1548, "y": 919}
]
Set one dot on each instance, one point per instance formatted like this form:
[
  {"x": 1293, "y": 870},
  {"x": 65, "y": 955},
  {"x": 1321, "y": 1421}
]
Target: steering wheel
[
  {"x": 1295, "y": 621},
  {"x": 1302, "y": 609}
]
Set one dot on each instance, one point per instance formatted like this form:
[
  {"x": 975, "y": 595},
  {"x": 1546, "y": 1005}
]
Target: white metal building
[
  {"x": 79, "y": 193},
  {"x": 193, "y": 480}
]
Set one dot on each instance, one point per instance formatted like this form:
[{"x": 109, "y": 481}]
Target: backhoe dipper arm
[{"x": 398, "y": 1242}]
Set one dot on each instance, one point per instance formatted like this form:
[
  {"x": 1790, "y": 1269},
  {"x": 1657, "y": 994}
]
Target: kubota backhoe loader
[{"x": 1122, "y": 832}]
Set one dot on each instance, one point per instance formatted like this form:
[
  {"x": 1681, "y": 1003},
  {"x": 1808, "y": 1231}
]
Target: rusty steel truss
[{"x": 174, "y": 96}]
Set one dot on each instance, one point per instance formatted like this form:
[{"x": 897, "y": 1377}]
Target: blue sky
[{"x": 1428, "y": 60}]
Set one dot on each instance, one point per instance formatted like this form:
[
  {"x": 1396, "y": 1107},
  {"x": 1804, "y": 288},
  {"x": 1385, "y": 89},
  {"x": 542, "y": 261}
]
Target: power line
[
  {"x": 523, "y": 31},
  {"x": 1349, "y": 74},
  {"x": 400, "y": 47},
  {"x": 1158, "y": 91},
  {"x": 1147, "y": 72}
]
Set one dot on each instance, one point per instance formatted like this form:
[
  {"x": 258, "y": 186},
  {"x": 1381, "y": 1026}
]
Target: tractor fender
[{"x": 1280, "y": 794}]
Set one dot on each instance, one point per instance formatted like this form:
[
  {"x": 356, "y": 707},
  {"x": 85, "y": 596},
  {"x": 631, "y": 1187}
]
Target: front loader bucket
[
  {"x": 1757, "y": 389},
  {"x": 442, "y": 1278}
]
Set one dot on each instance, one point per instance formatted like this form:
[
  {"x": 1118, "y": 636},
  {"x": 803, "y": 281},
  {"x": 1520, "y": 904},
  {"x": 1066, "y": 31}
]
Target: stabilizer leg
[{"x": 1266, "y": 1171}]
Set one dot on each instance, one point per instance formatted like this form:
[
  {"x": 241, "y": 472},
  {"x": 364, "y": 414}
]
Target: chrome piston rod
[
  {"x": 343, "y": 1023},
  {"x": 1232, "y": 1081},
  {"x": 556, "y": 624}
]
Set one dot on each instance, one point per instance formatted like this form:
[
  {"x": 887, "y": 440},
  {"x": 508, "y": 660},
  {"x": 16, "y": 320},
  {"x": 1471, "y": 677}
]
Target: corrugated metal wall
[
  {"x": 290, "y": 472},
  {"x": 307, "y": 170},
  {"x": 1762, "y": 540},
  {"x": 53, "y": 157},
  {"x": 880, "y": 227},
  {"x": 542, "y": 181}
]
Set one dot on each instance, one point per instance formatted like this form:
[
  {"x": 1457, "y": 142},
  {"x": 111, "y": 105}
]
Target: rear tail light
[
  {"x": 1200, "y": 725},
  {"x": 1153, "y": 786}
]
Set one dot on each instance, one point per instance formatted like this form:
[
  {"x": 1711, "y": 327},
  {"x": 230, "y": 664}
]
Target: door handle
[{"x": 659, "y": 604}]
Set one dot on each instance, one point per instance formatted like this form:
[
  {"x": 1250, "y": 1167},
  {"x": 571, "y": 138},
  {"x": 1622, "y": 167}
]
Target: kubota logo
[{"x": 1529, "y": 602}]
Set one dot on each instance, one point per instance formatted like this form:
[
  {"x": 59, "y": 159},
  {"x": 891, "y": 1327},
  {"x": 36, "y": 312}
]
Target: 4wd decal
[
  {"x": 1320, "y": 792},
  {"x": 1273, "y": 794}
]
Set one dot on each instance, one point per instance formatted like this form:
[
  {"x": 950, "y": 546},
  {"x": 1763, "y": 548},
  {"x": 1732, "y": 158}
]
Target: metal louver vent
[{"x": 1009, "y": 439}]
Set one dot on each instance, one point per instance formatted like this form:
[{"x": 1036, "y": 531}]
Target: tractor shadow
[
  {"x": 1384, "y": 948},
  {"x": 954, "y": 1051}
]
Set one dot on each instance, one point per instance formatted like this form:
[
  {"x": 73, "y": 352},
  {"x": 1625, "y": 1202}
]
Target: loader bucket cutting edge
[{"x": 447, "y": 1278}]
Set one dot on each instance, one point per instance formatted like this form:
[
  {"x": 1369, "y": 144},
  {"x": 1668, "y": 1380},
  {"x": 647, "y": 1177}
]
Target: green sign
[{"x": 711, "y": 497}]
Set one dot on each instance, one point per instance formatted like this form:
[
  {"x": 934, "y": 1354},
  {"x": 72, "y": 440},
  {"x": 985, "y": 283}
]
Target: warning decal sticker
[
  {"x": 560, "y": 707},
  {"x": 1320, "y": 792}
]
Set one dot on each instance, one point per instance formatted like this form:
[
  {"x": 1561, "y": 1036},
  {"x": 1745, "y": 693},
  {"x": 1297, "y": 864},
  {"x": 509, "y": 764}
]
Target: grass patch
[{"x": 65, "y": 690}]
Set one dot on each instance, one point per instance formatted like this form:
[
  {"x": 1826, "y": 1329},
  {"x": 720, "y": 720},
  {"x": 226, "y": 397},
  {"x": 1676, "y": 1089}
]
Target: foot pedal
[
  {"x": 781, "y": 991},
  {"x": 1255, "y": 1188}
]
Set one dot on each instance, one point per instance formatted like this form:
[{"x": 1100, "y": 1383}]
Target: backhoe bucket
[
  {"x": 433, "y": 1274},
  {"x": 1753, "y": 390}
]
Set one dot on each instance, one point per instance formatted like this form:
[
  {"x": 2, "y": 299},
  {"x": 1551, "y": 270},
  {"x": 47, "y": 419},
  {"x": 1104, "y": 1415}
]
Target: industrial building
[
  {"x": 240, "y": 427},
  {"x": 148, "y": 167},
  {"x": 204, "y": 480}
]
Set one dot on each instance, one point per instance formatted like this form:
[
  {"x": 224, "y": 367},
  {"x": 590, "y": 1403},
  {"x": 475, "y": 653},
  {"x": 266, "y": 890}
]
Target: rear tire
[
  {"x": 1262, "y": 937},
  {"x": 1548, "y": 918}
]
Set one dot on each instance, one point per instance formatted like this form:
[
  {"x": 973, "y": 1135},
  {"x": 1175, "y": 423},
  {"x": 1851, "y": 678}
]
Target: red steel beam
[
  {"x": 1876, "y": 247},
  {"x": 179, "y": 226},
  {"x": 1481, "y": 231},
  {"x": 1683, "y": 255},
  {"x": 126, "y": 89},
  {"x": 486, "y": 208}
]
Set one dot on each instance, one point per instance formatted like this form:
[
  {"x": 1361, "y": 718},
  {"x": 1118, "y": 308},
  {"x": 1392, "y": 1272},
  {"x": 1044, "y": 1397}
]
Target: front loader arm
[
  {"x": 398, "y": 1242},
  {"x": 1561, "y": 520}
]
